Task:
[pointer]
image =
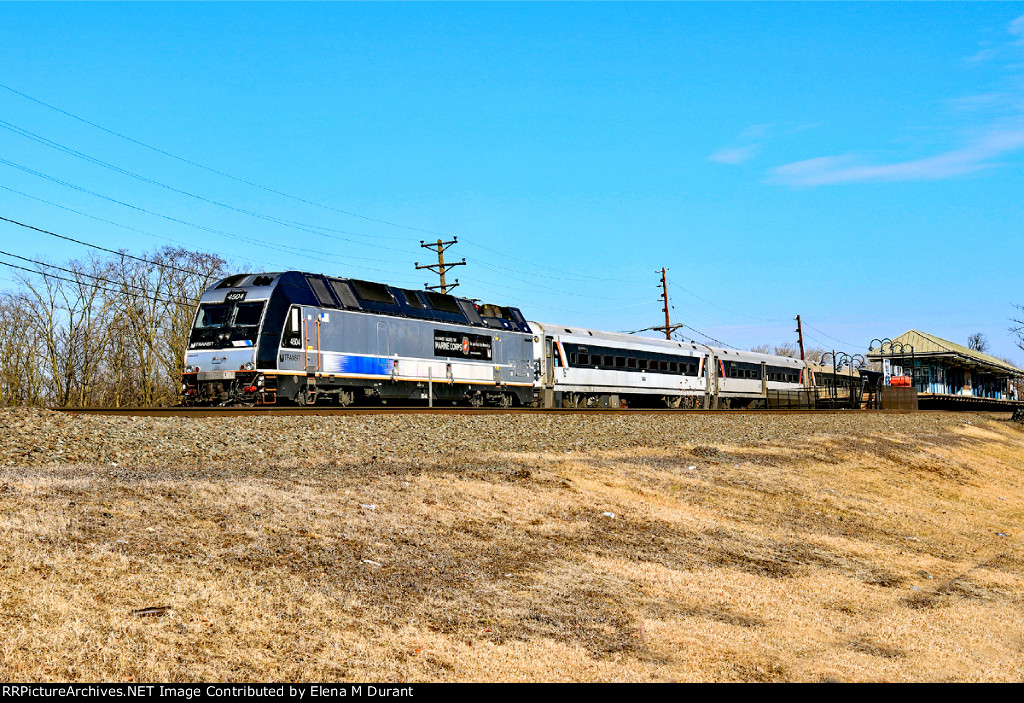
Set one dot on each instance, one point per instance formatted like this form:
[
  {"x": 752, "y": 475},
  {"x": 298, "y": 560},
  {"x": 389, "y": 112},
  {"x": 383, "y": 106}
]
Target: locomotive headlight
[{"x": 249, "y": 366}]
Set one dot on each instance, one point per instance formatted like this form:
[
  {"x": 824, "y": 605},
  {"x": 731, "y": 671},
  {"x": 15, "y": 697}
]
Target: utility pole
[
  {"x": 669, "y": 328},
  {"x": 440, "y": 267},
  {"x": 800, "y": 335}
]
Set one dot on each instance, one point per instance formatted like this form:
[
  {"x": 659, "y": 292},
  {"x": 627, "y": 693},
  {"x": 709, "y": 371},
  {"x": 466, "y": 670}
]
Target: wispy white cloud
[
  {"x": 1016, "y": 27},
  {"x": 753, "y": 136},
  {"x": 756, "y": 131},
  {"x": 753, "y": 139},
  {"x": 1001, "y": 134},
  {"x": 735, "y": 156},
  {"x": 992, "y": 51},
  {"x": 976, "y": 156}
]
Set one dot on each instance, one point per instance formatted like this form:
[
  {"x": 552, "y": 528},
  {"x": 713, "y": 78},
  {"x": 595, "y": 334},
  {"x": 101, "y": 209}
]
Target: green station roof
[{"x": 928, "y": 345}]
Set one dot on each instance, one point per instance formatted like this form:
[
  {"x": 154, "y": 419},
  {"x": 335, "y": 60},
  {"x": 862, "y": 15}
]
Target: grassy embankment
[{"x": 859, "y": 556}]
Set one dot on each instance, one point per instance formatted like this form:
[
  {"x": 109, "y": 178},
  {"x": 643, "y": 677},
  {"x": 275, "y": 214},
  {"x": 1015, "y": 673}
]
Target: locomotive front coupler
[{"x": 222, "y": 387}]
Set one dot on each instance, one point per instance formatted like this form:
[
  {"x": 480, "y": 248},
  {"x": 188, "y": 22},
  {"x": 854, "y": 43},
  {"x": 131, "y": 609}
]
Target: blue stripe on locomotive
[{"x": 363, "y": 365}]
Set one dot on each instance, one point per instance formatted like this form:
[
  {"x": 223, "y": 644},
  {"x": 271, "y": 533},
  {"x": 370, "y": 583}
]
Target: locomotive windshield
[{"x": 221, "y": 325}]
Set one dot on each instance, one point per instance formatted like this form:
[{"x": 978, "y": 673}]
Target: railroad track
[{"x": 266, "y": 411}]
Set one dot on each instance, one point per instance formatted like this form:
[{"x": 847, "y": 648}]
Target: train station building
[{"x": 947, "y": 374}]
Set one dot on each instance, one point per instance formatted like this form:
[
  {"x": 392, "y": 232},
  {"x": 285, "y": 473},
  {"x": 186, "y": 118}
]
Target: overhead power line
[
  {"x": 89, "y": 285},
  {"x": 214, "y": 170},
  {"x": 716, "y": 305},
  {"x": 829, "y": 336},
  {"x": 268, "y": 189},
  {"x": 300, "y": 226},
  {"x": 82, "y": 273},
  {"x": 96, "y": 246},
  {"x": 708, "y": 336},
  {"x": 300, "y": 251},
  {"x": 92, "y": 217}
]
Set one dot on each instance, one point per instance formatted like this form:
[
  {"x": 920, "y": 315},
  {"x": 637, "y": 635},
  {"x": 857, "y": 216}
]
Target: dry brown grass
[{"x": 849, "y": 557}]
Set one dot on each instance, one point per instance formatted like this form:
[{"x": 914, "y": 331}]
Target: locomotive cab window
[
  {"x": 222, "y": 325},
  {"x": 248, "y": 314},
  {"x": 212, "y": 315}
]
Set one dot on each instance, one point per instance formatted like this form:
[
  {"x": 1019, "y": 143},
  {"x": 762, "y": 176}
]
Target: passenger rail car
[
  {"x": 589, "y": 368},
  {"x": 292, "y": 336}
]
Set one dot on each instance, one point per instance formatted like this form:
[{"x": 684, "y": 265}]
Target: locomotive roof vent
[{"x": 233, "y": 281}]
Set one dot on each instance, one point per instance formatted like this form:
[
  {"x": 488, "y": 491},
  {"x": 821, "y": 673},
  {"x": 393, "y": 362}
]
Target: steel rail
[{"x": 178, "y": 411}]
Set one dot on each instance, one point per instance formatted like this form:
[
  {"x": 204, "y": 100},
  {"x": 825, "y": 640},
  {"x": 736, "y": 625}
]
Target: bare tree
[
  {"x": 69, "y": 311},
  {"x": 815, "y": 354},
  {"x": 1017, "y": 329},
  {"x": 21, "y": 379},
  {"x": 978, "y": 342},
  {"x": 812, "y": 354},
  {"x": 102, "y": 331},
  {"x": 158, "y": 301}
]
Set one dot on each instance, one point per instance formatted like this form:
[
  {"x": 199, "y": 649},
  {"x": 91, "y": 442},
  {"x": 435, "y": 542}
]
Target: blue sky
[{"x": 857, "y": 164}]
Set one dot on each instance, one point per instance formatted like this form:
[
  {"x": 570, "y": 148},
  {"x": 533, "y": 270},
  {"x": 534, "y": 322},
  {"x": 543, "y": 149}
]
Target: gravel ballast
[{"x": 35, "y": 437}]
